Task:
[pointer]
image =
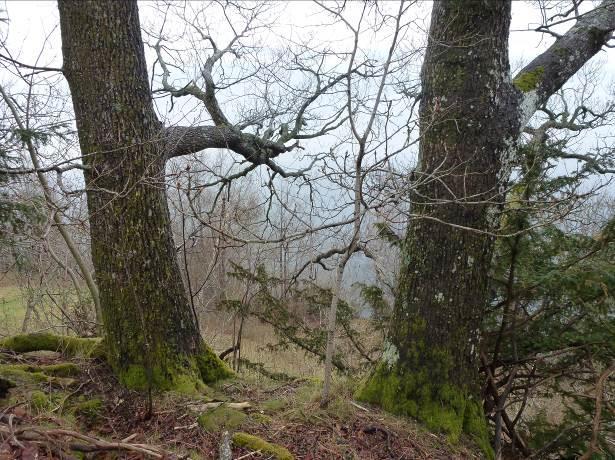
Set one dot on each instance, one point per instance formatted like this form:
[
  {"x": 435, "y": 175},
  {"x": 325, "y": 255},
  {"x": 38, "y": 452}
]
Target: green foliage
[
  {"x": 39, "y": 401},
  {"x": 385, "y": 232},
  {"x": 381, "y": 309},
  {"x": 19, "y": 216},
  {"x": 552, "y": 324},
  {"x": 289, "y": 324}
]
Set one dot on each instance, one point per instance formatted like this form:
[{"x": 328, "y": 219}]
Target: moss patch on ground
[
  {"x": 221, "y": 418},
  {"x": 40, "y": 401},
  {"x": 18, "y": 376},
  {"x": 271, "y": 406},
  {"x": 89, "y": 410},
  {"x": 263, "y": 419},
  {"x": 24, "y": 374},
  {"x": 254, "y": 443},
  {"x": 52, "y": 370}
]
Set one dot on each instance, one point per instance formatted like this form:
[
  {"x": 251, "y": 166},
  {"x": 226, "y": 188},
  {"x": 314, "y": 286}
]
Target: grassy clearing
[
  {"x": 49, "y": 313},
  {"x": 12, "y": 310},
  {"x": 256, "y": 347}
]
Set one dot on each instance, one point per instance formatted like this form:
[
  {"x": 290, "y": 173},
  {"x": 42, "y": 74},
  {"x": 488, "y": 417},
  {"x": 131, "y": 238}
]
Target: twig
[
  {"x": 88, "y": 443},
  {"x": 593, "y": 444},
  {"x": 358, "y": 406}
]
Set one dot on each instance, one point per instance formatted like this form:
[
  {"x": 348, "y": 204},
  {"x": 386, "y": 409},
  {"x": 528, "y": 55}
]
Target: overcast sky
[{"x": 31, "y": 21}]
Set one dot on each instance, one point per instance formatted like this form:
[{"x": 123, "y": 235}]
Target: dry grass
[
  {"x": 12, "y": 309},
  {"x": 257, "y": 339}
]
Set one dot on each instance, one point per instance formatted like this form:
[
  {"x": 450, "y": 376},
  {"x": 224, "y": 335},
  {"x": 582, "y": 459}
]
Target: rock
[
  {"x": 221, "y": 418},
  {"x": 255, "y": 443}
]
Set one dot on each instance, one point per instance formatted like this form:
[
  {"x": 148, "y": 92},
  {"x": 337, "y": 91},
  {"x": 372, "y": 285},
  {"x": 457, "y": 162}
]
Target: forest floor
[{"x": 74, "y": 408}]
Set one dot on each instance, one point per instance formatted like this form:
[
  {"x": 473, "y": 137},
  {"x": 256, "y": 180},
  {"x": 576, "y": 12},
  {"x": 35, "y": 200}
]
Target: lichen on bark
[{"x": 529, "y": 80}]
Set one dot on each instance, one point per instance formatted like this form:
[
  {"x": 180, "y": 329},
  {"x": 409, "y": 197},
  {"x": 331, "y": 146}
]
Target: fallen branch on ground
[{"x": 61, "y": 439}]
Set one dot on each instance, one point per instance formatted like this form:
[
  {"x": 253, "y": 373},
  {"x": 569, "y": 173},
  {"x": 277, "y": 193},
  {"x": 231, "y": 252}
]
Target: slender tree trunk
[
  {"x": 331, "y": 323},
  {"x": 152, "y": 336},
  {"x": 57, "y": 218},
  {"x": 468, "y": 126}
]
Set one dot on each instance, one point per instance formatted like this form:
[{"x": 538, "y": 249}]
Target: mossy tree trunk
[
  {"x": 151, "y": 333},
  {"x": 471, "y": 115}
]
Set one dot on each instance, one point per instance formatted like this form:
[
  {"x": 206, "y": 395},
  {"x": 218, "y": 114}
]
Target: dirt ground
[{"x": 84, "y": 413}]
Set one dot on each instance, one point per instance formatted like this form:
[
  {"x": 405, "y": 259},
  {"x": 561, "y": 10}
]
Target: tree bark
[
  {"x": 471, "y": 115},
  {"x": 152, "y": 334}
]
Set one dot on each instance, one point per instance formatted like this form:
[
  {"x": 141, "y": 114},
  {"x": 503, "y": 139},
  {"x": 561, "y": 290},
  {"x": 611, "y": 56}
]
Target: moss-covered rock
[
  {"x": 255, "y": 443},
  {"x": 42, "y": 355},
  {"x": 19, "y": 376},
  {"x": 69, "y": 346},
  {"x": 220, "y": 418},
  {"x": 52, "y": 370}
]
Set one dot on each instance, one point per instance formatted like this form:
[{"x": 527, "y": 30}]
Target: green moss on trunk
[
  {"x": 183, "y": 374},
  {"x": 439, "y": 405},
  {"x": 527, "y": 81},
  {"x": 211, "y": 367},
  {"x": 152, "y": 334}
]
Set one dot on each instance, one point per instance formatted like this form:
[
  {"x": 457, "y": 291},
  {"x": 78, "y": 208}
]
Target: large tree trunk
[
  {"x": 471, "y": 116},
  {"x": 468, "y": 126},
  {"x": 152, "y": 334}
]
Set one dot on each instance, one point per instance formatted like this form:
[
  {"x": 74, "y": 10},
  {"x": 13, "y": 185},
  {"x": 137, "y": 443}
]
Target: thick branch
[
  {"x": 183, "y": 140},
  {"x": 548, "y": 72}
]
